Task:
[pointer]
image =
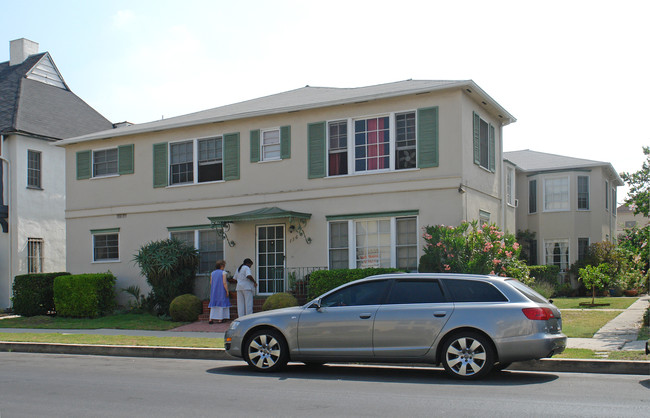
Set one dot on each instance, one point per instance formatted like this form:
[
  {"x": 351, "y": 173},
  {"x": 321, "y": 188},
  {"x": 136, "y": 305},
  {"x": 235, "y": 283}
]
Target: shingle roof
[
  {"x": 31, "y": 107},
  {"x": 301, "y": 99},
  {"x": 534, "y": 161}
]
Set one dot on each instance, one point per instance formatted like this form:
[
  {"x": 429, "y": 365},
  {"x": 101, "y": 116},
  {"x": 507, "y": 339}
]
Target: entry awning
[{"x": 259, "y": 214}]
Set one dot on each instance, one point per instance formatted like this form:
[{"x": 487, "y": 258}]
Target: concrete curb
[{"x": 543, "y": 365}]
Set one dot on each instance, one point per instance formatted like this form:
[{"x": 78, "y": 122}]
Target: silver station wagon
[{"x": 471, "y": 324}]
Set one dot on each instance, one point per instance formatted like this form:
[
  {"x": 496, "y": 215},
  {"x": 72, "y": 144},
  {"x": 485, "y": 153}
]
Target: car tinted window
[
  {"x": 369, "y": 293},
  {"x": 527, "y": 291},
  {"x": 473, "y": 291},
  {"x": 415, "y": 291}
]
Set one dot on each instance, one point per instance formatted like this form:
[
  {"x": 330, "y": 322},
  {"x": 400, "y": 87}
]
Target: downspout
[{"x": 9, "y": 209}]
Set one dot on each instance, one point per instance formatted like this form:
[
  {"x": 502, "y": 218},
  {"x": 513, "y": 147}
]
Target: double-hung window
[
  {"x": 200, "y": 159},
  {"x": 338, "y": 148},
  {"x": 33, "y": 169},
  {"x": 556, "y": 194},
  {"x": 583, "y": 193},
  {"x": 205, "y": 240},
  {"x": 484, "y": 143},
  {"x": 371, "y": 144},
  {"x": 557, "y": 253},
  {"x": 405, "y": 145},
  {"x": 106, "y": 245},
  {"x": 389, "y": 241},
  {"x": 105, "y": 162},
  {"x": 271, "y": 145}
]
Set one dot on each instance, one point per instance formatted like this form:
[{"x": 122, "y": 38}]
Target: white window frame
[
  {"x": 352, "y": 238},
  {"x": 264, "y": 147},
  {"x": 196, "y": 242},
  {"x": 510, "y": 186},
  {"x": 567, "y": 202},
  {"x": 392, "y": 143},
  {"x": 117, "y": 163},
  {"x": 105, "y": 260},
  {"x": 578, "y": 193},
  {"x": 195, "y": 160},
  {"x": 565, "y": 241},
  {"x": 38, "y": 172}
]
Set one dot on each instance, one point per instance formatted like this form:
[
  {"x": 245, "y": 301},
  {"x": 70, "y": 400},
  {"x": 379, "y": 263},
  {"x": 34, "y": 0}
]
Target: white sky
[{"x": 574, "y": 73}]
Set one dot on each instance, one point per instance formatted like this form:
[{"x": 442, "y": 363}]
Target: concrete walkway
[{"x": 618, "y": 334}]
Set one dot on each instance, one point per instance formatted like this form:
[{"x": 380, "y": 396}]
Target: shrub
[
  {"x": 545, "y": 289},
  {"x": 469, "y": 248},
  {"x": 33, "y": 294},
  {"x": 595, "y": 278},
  {"x": 544, "y": 273},
  {"x": 322, "y": 281},
  {"x": 185, "y": 308},
  {"x": 278, "y": 301},
  {"x": 170, "y": 268},
  {"x": 84, "y": 295}
]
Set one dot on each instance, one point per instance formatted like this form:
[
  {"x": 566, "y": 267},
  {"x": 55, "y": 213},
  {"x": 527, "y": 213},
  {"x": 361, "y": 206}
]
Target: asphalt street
[{"x": 81, "y": 386}]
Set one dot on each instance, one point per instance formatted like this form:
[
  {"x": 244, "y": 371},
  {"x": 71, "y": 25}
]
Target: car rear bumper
[{"x": 530, "y": 348}]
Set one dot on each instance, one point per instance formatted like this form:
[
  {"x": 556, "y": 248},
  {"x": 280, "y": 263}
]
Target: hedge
[
  {"x": 84, "y": 295},
  {"x": 544, "y": 273},
  {"x": 322, "y": 281},
  {"x": 33, "y": 294}
]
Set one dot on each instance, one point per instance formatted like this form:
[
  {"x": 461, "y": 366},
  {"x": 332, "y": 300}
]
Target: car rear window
[
  {"x": 473, "y": 291},
  {"x": 527, "y": 291},
  {"x": 415, "y": 291}
]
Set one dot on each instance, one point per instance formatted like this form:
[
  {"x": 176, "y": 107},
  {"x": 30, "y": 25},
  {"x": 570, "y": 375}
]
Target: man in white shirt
[{"x": 245, "y": 288}]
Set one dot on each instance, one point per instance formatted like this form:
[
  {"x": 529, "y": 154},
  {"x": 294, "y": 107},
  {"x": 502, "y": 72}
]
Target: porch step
[{"x": 258, "y": 301}]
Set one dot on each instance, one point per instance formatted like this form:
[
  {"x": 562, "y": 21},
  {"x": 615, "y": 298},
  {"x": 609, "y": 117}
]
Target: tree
[
  {"x": 170, "y": 268},
  {"x": 595, "y": 277},
  {"x": 638, "y": 197}
]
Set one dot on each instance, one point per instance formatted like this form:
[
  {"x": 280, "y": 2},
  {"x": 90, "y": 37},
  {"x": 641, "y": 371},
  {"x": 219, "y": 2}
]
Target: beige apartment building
[
  {"x": 568, "y": 203},
  {"x": 309, "y": 178}
]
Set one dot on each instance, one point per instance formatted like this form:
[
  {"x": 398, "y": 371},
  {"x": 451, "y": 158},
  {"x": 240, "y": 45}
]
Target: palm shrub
[{"x": 170, "y": 268}]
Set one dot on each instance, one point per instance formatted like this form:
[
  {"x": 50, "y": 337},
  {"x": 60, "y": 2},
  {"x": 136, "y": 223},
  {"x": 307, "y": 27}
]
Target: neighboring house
[
  {"x": 36, "y": 109},
  {"x": 308, "y": 178},
  {"x": 568, "y": 203},
  {"x": 625, "y": 218}
]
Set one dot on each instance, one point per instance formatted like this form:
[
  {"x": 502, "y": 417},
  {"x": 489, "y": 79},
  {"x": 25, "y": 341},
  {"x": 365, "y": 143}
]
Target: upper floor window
[
  {"x": 614, "y": 203},
  {"x": 200, "y": 159},
  {"x": 532, "y": 196},
  {"x": 606, "y": 195},
  {"x": 33, "y": 169},
  {"x": 371, "y": 144},
  {"x": 556, "y": 194},
  {"x": 271, "y": 145},
  {"x": 484, "y": 143},
  {"x": 105, "y": 162},
  {"x": 583, "y": 192},
  {"x": 510, "y": 186},
  {"x": 338, "y": 148},
  {"x": 405, "y": 132}
]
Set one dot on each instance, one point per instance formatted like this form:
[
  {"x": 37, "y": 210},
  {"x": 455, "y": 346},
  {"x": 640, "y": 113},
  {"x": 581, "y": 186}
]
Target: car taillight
[{"x": 538, "y": 314}]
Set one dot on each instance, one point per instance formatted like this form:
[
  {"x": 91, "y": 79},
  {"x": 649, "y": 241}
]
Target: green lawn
[
  {"x": 581, "y": 353},
  {"x": 574, "y": 303},
  {"x": 117, "y": 321},
  {"x": 584, "y": 324}
]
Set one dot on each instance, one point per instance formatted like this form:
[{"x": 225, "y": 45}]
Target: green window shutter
[
  {"x": 316, "y": 150},
  {"x": 160, "y": 168},
  {"x": 125, "y": 159},
  {"x": 428, "y": 137},
  {"x": 83, "y": 165},
  {"x": 255, "y": 146},
  {"x": 477, "y": 138},
  {"x": 231, "y": 156},
  {"x": 285, "y": 142},
  {"x": 492, "y": 145}
]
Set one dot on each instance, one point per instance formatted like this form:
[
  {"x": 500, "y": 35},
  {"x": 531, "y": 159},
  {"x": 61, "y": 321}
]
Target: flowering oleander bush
[{"x": 474, "y": 249}]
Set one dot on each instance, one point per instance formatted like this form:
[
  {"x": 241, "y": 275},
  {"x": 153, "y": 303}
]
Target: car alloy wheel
[
  {"x": 467, "y": 355},
  {"x": 266, "y": 350}
]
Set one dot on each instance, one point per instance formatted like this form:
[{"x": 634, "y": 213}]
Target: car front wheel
[
  {"x": 266, "y": 350},
  {"x": 467, "y": 355}
]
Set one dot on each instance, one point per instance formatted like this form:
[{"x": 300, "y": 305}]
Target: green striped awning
[{"x": 259, "y": 214}]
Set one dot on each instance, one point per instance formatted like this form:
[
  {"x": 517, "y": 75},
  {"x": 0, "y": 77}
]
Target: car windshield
[{"x": 527, "y": 291}]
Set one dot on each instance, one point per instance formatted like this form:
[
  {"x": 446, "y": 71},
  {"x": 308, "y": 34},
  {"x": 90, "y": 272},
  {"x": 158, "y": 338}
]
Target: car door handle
[
  {"x": 365, "y": 315},
  {"x": 440, "y": 314}
]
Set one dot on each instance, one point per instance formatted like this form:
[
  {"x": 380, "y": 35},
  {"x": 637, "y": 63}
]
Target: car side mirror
[{"x": 316, "y": 305}]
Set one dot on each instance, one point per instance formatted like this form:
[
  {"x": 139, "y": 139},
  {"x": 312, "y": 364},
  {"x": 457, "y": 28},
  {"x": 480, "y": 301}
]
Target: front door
[{"x": 270, "y": 258}]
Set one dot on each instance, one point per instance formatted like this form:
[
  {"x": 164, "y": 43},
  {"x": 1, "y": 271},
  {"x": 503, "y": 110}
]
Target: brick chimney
[{"x": 20, "y": 49}]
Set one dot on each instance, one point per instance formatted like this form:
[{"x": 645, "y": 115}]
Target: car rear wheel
[
  {"x": 467, "y": 355},
  {"x": 266, "y": 350}
]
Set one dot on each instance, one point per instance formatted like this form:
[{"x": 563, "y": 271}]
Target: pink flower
[
  {"x": 447, "y": 267},
  {"x": 427, "y": 236},
  {"x": 492, "y": 272},
  {"x": 515, "y": 246},
  {"x": 509, "y": 254},
  {"x": 496, "y": 261},
  {"x": 439, "y": 244}
]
